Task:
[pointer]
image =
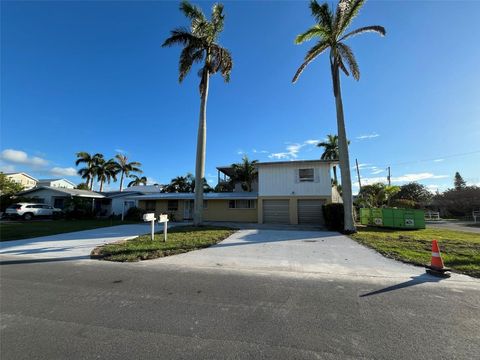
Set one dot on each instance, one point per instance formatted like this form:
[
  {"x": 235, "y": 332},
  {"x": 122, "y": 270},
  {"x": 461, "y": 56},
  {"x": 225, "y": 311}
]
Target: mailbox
[
  {"x": 149, "y": 217},
  {"x": 163, "y": 218}
]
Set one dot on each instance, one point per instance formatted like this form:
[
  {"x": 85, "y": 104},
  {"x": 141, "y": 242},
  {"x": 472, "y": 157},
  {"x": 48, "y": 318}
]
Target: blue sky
[{"x": 91, "y": 76}]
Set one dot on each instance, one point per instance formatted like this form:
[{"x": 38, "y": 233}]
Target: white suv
[{"x": 30, "y": 210}]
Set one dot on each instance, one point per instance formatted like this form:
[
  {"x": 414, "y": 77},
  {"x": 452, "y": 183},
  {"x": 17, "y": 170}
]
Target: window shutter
[
  {"x": 297, "y": 175},
  {"x": 316, "y": 175}
]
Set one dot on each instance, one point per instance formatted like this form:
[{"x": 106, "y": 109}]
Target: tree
[
  {"x": 9, "y": 187},
  {"x": 126, "y": 167},
  {"x": 330, "y": 152},
  {"x": 458, "y": 182},
  {"x": 90, "y": 161},
  {"x": 330, "y": 30},
  {"x": 245, "y": 172},
  {"x": 82, "y": 186},
  {"x": 106, "y": 171},
  {"x": 415, "y": 192},
  {"x": 377, "y": 195},
  {"x": 200, "y": 44},
  {"x": 137, "y": 180}
]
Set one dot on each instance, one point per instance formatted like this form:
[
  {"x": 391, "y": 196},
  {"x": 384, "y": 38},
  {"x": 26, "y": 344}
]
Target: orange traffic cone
[{"x": 436, "y": 266}]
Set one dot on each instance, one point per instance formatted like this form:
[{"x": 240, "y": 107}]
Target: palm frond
[
  {"x": 311, "y": 55},
  {"x": 347, "y": 55},
  {"x": 221, "y": 60},
  {"x": 373, "y": 28},
  {"x": 188, "y": 56},
  {"x": 217, "y": 17},
  {"x": 191, "y": 11},
  {"x": 322, "y": 14},
  {"x": 314, "y": 31},
  {"x": 342, "y": 66},
  {"x": 352, "y": 10},
  {"x": 181, "y": 36}
]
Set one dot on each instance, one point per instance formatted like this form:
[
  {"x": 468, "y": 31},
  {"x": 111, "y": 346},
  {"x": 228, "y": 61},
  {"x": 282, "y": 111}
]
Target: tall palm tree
[
  {"x": 330, "y": 32},
  {"x": 330, "y": 152},
  {"x": 137, "y": 180},
  {"x": 245, "y": 172},
  {"x": 126, "y": 167},
  {"x": 90, "y": 161},
  {"x": 200, "y": 44},
  {"x": 106, "y": 171}
]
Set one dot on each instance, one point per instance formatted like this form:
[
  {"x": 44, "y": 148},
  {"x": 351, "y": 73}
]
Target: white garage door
[
  {"x": 310, "y": 212},
  {"x": 276, "y": 212}
]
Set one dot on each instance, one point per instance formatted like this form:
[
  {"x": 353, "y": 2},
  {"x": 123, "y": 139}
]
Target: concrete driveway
[
  {"x": 70, "y": 246},
  {"x": 296, "y": 252}
]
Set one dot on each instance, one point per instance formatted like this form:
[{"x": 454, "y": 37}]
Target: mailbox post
[
  {"x": 150, "y": 217},
  {"x": 164, "y": 219}
]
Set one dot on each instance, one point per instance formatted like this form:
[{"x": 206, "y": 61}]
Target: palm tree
[
  {"x": 106, "y": 171},
  {"x": 245, "y": 172},
  {"x": 200, "y": 45},
  {"x": 330, "y": 31},
  {"x": 126, "y": 167},
  {"x": 90, "y": 161},
  {"x": 330, "y": 152},
  {"x": 137, "y": 180}
]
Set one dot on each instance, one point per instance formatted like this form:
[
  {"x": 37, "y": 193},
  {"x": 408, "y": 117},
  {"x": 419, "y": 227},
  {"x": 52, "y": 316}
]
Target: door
[
  {"x": 310, "y": 212},
  {"x": 188, "y": 210},
  {"x": 276, "y": 212}
]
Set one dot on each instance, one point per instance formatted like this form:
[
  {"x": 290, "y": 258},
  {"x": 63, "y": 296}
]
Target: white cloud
[
  {"x": 403, "y": 178},
  {"x": 21, "y": 157},
  {"x": 367, "y": 136},
  {"x": 255, "y": 151},
  {"x": 438, "y": 160},
  {"x": 279, "y": 156},
  {"x": 7, "y": 168},
  {"x": 152, "y": 181},
  {"x": 59, "y": 171},
  {"x": 312, "y": 142},
  {"x": 377, "y": 171},
  {"x": 121, "y": 151},
  {"x": 293, "y": 149}
]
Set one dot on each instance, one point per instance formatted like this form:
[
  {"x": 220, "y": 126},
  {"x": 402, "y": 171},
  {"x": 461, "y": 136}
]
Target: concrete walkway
[{"x": 74, "y": 245}]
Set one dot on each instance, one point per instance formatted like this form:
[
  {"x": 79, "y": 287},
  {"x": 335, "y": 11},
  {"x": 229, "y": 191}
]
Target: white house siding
[
  {"x": 282, "y": 180},
  {"x": 117, "y": 205},
  {"x": 60, "y": 183}
]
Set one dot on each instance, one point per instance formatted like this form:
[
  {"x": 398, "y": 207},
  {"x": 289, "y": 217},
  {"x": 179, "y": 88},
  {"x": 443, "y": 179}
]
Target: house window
[
  {"x": 305, "y": 175},
  {"x": 205, "y": 204},
  {"x": 150, "y": 205},
  {"x": 242, "y": 204},
  {"x": 172, "y": 205}
]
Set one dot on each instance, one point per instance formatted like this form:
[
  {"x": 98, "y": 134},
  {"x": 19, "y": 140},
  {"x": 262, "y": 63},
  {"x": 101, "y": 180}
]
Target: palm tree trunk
[
  {"x": 91, "y": 183},
  {"x": 335, "y": 175},
  {"x": 349, "y": 224},
  {"x": 201, "y": 150},
  {"x": 121, "y": 181},
  {"x": 101, "y": 185}
]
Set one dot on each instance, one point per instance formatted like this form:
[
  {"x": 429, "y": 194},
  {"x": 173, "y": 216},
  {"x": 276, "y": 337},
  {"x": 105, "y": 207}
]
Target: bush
[
  {"x": 134, "y": 214},
  {"x": 333, "y": 215}
]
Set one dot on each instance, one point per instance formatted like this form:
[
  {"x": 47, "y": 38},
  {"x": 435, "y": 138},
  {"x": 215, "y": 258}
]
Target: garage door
[
  {"x": 276, "y": 212},
  {"x": 310, "y": 212}
]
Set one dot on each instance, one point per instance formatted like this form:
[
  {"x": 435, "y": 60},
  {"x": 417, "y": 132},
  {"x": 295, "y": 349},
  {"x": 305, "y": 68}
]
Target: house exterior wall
[
  {"x": 117, "y": 205},
  {"x": 25, "y": 181},
  {"x": 60, "y": 183},
  {"x": 282, "y": 180},
  {"x": 45, "y": 196},
  {"x": 217, "y": 210}
]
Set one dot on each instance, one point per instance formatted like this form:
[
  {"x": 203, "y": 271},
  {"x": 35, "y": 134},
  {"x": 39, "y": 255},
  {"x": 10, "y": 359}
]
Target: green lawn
[
  {"x": 28, "y": 229},
  {"x": 180, "y": 240},
  {"x": 460, "y": 250}
]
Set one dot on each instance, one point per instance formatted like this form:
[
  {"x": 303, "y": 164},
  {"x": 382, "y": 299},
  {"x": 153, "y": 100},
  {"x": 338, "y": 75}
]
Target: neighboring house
[
  {"x": 226, "y": 173},
  {"x": 289, "y": 192},
  {"x": 22, "y": 178},
  {"x": 145, "y": 188},
  {"x": 118, "y": 202},
  {"x": 57, "y": 197},
  {"x": 59, "y": 183}
]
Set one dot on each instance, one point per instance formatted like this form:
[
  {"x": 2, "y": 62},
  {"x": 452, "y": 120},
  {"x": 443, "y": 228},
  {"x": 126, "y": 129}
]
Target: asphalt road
[{"x": 94, "y": 310}]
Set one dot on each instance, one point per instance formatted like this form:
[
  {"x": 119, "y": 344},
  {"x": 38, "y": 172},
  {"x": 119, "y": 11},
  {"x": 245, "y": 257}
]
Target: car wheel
[{"x": 28, "y": 216}]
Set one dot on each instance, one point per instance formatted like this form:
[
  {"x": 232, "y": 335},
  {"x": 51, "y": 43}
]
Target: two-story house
[{"x": 289, "y": 192}]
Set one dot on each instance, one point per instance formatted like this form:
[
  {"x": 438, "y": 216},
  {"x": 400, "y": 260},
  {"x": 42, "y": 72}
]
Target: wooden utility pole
[
  {"x": 388, "y": 177},
  {"x": 358, "y": 176}
]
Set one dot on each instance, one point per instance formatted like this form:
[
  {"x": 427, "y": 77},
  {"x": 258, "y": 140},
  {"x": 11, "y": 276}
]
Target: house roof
[
  {"x": 65, "y": 191},
  {"x": 145, "y": 188},
  {"x": 58, "y": 179},
  {"x": 206, "y": 196},
  {"x": 227, "y": 170},
  {"x": 21, "y": 173},
  {"x": 117, "y": 194},
  {"x": 293, "y": 162}
]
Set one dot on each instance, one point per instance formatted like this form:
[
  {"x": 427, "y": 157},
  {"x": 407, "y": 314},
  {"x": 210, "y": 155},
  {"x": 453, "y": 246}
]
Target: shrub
[
  {"x": 134, "y": 214},
  {"x": 333, "y": 215},
  {"x": 405, "y": 203}
]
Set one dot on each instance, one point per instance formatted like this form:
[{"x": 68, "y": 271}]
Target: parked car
[{"x": 28, "y": 211}]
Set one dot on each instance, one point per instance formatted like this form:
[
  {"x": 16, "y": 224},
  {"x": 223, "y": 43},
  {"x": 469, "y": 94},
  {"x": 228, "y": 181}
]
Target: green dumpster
[{"x": 393, "y": 218}]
